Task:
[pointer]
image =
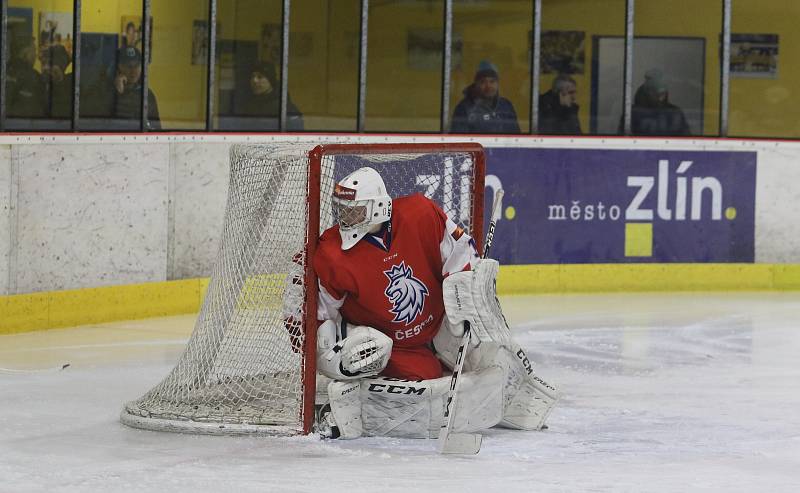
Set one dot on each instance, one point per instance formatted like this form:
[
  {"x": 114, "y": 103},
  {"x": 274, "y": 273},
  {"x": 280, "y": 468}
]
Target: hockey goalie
[{"x": 397, "y": 279}]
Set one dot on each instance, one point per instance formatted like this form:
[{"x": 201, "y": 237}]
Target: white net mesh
[{"x": 242, "y": 370}]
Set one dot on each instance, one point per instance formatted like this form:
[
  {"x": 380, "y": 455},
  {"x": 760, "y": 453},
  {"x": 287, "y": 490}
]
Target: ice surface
[{"x": 663, "y": 393}]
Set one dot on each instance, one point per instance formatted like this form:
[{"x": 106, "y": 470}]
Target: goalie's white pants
[{"x": 496, "y": 387}]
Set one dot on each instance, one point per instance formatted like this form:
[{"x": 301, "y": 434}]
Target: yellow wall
[
  {"x": 768, "y": 107},
  {"x": 400, "y": 98},
  {"x": 39, "y": 6},
  {"x": 689, "y": 18},
  {"x": 606, "y": 18},
  {"x": 496, "y": 32},
  {"x": 178, "y": 85},
  {"x": 324, "y": 83}
]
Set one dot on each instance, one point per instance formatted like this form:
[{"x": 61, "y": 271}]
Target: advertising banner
[{"x": 611, "y": 206}]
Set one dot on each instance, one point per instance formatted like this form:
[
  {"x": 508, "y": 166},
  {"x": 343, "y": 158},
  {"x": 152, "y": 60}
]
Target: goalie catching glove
[
  {"x": 364, "y": 352},
  {"x": 470, "y": 296}
]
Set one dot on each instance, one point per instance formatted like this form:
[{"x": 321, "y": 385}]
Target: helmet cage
[{"x": 352, "y": 214}]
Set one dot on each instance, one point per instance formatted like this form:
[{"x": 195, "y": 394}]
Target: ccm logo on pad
[{"x": 396, "y": 389}]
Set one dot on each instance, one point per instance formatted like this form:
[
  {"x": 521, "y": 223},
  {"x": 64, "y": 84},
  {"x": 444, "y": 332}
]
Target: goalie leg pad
[
  {"x": 470, "y": 296},
  {"x": 415, "y": 409},
  {"x": 529, "y": 399},
  {"x": 345, "y": 402}
]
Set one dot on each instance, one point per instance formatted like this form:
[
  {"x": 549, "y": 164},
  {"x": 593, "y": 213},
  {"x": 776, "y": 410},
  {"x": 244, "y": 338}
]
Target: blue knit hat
[
  {"x": 654, "y": 81},
  {"x": 486, "y": 69}
]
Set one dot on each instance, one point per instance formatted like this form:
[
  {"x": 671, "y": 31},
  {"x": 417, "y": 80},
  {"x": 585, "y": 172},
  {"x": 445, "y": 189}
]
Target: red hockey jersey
[{"x": 392, "y": 281}]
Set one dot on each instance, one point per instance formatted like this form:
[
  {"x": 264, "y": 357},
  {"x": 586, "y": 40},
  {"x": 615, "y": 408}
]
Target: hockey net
[{"x": 249, "y": 365}]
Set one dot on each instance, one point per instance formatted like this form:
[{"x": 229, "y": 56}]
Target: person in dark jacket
[
  {"x": 652, "y": 113},
  {"x": 483, "y": 110},
  {"x": 56, "y": 82},
  {"x": 558, "y": 110},
  {"x": 24, "y": 91},
  {"x": 128, "y": 90},
  {"x": 264, "y": 101}
]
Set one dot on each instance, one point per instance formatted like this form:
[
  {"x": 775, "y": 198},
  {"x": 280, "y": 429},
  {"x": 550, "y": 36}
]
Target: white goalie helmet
[{"x": 360, "y": 201}]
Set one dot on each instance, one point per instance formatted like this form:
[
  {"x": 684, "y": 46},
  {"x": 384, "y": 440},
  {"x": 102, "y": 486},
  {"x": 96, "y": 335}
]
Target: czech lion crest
[{"x": 406, "y": 292}]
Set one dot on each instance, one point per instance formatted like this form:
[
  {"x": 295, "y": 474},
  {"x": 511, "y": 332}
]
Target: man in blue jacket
[{"x": 483, "y": 110}]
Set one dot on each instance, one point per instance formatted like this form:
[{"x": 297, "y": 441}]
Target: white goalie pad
[
  {"x": 415, "y": 408},
  {"x": 528, "y": 399},
  {"x": 470, "y": 296},
  {"x": 364, "y": 352},
  {"x": 479, "y": 354}
]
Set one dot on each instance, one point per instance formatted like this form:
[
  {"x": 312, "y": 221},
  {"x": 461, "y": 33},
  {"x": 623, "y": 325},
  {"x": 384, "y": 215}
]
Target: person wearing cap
[
  {"x": 128, "y": 89},
  {"x": 483, "y": 110},
  {"x": 56, "y": 82},
  {"x": 264, "y": 100},
  {"x": 558, "y": 109},
  {"x": 652, "y": 112}
]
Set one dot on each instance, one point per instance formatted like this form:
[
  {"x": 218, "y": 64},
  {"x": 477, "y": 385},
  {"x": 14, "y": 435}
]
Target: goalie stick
[{"x": 465, "y": 443}]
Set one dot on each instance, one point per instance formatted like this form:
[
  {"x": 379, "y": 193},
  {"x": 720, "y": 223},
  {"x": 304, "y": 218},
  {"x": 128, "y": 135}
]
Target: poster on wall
[
  {"x": 562, "y": 52},
  {"x": 55, "y": 28},
  {"x": 226, "y": 51},
  {"x": 199, "y": 42},
  {"x": 301, "y": 45},
  {"x": 574, "y": 206},
  {"x": 269, "y": 46},
  {"x": 131, "y": 33},
  {"x": 754, "y": 56},
  {"x": 425, "y": 47},
  {"x": 20, "y": 23}
]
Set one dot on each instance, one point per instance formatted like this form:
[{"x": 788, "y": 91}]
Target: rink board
[{"x": 105, "y": 212}]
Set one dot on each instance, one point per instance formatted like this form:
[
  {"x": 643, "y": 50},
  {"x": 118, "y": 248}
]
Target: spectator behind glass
[
  {"x": 56, "y": 83},
  {"x": 128, "y": 90},
  {"x": 483, "y": 110},
  {"x": 264, "y": 101},
  {"x": 652, "y": 113},
  {"x": 558, "y": 110},
  {"x": 24, "y": 92}
]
